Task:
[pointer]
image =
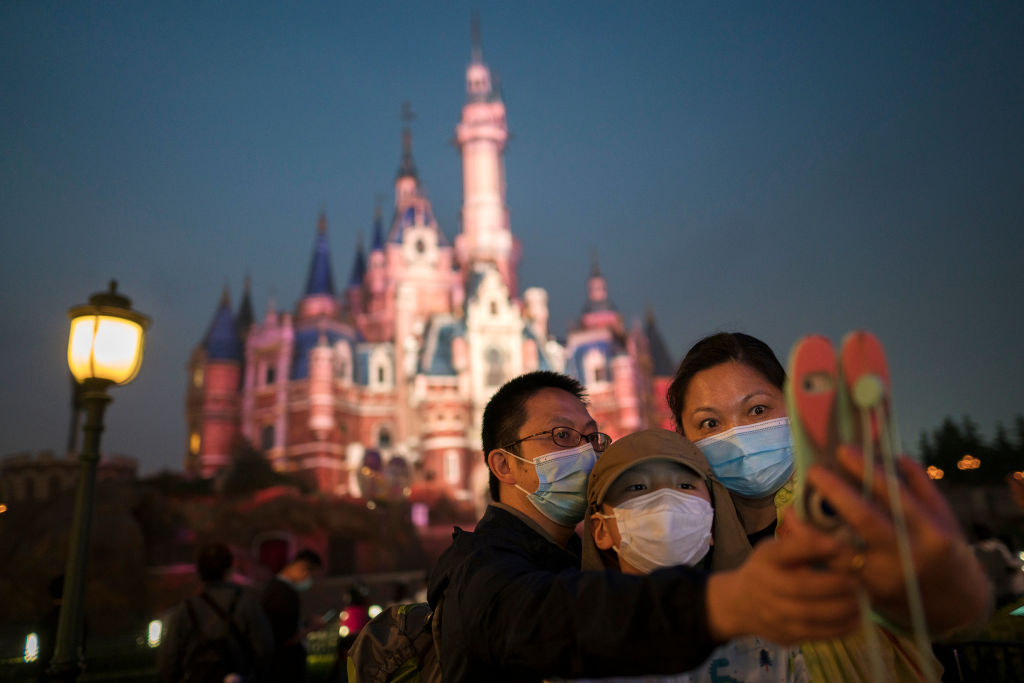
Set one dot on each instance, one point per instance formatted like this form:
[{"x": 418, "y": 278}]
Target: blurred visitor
[
  {"x": 220, "y": 634},
  {"x": 283, "y": 606}
]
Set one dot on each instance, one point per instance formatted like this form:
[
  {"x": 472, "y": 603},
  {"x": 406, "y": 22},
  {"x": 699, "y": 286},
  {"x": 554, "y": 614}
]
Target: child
[{"x": 652, "y": 503}]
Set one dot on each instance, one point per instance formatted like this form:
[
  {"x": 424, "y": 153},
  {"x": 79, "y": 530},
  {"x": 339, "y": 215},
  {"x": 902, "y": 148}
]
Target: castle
[{"x": 387, "y": 379}]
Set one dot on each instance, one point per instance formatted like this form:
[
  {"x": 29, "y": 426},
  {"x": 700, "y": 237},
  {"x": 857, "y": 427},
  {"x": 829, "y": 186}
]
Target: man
[
  {"x": 513, "y": 604},
  {"x": 220, "y": 632},
  {"x": 283, "y": 607}
]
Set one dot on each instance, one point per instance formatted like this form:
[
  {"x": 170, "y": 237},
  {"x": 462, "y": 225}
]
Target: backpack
[
  {"x": 402, "y": 644},
  {"x": 210, "y": 659}
]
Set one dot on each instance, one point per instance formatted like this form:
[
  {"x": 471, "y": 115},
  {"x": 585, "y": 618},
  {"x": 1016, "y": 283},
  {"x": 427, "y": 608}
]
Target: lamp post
[{"x": 104, "y": 348}]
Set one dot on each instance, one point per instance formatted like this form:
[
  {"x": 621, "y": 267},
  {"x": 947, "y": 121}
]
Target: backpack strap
[{"x": 226, "y": 616}]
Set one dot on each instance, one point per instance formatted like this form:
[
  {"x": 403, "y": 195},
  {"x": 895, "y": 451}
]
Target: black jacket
[{"x": 517, "y": 608}]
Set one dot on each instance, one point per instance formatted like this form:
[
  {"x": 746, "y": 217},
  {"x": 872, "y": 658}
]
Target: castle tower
[
  {"x": 481, "y": 136},
  {"x": 213, "y": 395},
  {"x": 319, "y": 297}
]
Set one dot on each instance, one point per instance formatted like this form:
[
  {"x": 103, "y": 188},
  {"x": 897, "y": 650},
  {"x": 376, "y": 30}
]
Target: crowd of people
[
  {"x": 692, "y": 566},
  {"x": 229, "y": 633}
]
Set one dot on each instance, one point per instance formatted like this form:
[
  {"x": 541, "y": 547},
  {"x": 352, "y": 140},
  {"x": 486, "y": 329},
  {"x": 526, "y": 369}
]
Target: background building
[{"x": 384, "y": 381}]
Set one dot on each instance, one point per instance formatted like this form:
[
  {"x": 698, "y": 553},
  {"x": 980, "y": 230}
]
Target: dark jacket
[
  {"x": 517, "y": 608},
  {"x": 181, "y": 634},
  {"x": 283, "y": 608}
]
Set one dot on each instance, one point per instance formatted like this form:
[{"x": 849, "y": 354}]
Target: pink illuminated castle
[{"x": 391, "y": 373}]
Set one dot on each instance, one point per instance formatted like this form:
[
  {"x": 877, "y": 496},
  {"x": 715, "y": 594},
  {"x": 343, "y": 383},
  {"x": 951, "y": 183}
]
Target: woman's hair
[{"x": 715, "y": 350}]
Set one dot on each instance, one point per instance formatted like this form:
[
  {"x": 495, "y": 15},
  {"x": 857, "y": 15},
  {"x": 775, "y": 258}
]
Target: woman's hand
[
  {"x": 954, "y": 589},
  {"x": 784, "y": 593}
]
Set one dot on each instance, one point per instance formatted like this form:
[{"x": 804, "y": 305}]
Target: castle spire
[
  {"x": 222, "y": 341},
  {"x": 661, "y": 359},
  {"x": 408, "y": 168},
  {"x": 378, "y": 229},
  {"x": 474, "y": 36},
  {"x": 481, "y": 136},
  {"x": 320, "y": 280},
  {"x": 245, "y": 316},
  {"x": 358, "y": 264}
]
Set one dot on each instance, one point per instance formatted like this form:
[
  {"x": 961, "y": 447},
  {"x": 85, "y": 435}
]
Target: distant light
[
  {"x": 370, "y": 505},
  {"x": 420, "y": 514},
  {"x": 968, "y": 462},
  {"x": 31, "y": 647},
  {"x": 935, "y": 473},
  {"x": 155, "y": 631},
  {"x": 373, "y": 611},
  {"x": 1018, "y": 475},
  {"x": 3, "y": 508},
  {"x": 344, "y": 615},
  {"x": 343, "y": 631}
]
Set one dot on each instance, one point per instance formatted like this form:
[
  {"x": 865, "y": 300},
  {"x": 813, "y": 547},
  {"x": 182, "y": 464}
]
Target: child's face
[{"x": 643, "y": 478}]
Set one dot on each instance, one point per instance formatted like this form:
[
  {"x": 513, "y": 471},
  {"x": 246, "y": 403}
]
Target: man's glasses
[{"x": 567, "y": 437}]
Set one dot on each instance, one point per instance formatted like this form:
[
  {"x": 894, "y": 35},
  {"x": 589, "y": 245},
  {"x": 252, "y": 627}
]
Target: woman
[
  {"x": 653, "y": 503},
  {"x": 727, "y": 397}
]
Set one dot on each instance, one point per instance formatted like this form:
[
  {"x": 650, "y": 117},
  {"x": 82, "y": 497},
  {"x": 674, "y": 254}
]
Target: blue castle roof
[
  {"x": 222, "y": 341},
  {"x": 320, "y": 280}
]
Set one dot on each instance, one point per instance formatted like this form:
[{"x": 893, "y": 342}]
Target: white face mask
[{"x": 663, "y": 528}]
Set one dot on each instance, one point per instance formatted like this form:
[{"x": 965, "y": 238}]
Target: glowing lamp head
[{"x": 106, "y": 338}]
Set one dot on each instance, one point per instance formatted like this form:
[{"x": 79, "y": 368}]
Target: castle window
[
  {"x": 380, "y": 374},
  {"x": 267, "y": 437},
  {"x": 271, "y": 374},
  {"x": 420, "y": 246},
  {"x": 193, "y": 443},
  {"x": 452, "y": 468},
  {"x": 55, "y": 486},
  {"x": 384, "y": 438},
  {"x": 495, "y": 367},
  {"x": 595, "y": 367},
  {"x": 494, "y": 308}
]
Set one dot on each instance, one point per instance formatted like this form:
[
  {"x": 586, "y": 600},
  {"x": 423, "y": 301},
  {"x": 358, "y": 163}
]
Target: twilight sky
[{"x": 776, "y": 169}]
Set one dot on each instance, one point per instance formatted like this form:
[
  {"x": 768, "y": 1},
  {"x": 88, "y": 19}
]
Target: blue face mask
[
  {"x": 752, "y": 460},
  {"x": 561, "y": 495}
]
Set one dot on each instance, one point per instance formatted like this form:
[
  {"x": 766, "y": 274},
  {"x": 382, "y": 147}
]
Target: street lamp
[{"x": 104, "y": 348}]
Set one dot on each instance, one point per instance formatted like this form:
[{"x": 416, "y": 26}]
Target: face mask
[
  {"x": 752, "y": 460},
  {"x": 663, "y": 528},
  {"x": 561, "y": 495}
]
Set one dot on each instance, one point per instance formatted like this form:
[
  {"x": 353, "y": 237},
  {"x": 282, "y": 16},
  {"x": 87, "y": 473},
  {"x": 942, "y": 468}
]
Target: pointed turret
[
  {"x": 661, "y": 360},
  {"x": 318, "y": 298},
  {"x": 378, "y": 230},
  {"x": 222, "y": 341},
  {"x": 597, "y": 289},
  {"x": 320, "y": 280},
  {"x": 245, "y": 316},
  {"x": 358, "y": 264},
  {"x": 407, "y": 169}
]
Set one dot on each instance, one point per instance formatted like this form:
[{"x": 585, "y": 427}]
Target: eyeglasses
[{"x": 567, "y": 437}]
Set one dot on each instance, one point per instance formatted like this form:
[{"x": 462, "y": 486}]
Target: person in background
[
  {"x": 220, "y": 632},
  {"x": 1001, "y": 567},
  {"x": 728, "y": 391},
  {"x": 282, "y": 604}
]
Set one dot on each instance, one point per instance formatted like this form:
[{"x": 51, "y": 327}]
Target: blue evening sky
[{"x": 779, "y": 169}]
